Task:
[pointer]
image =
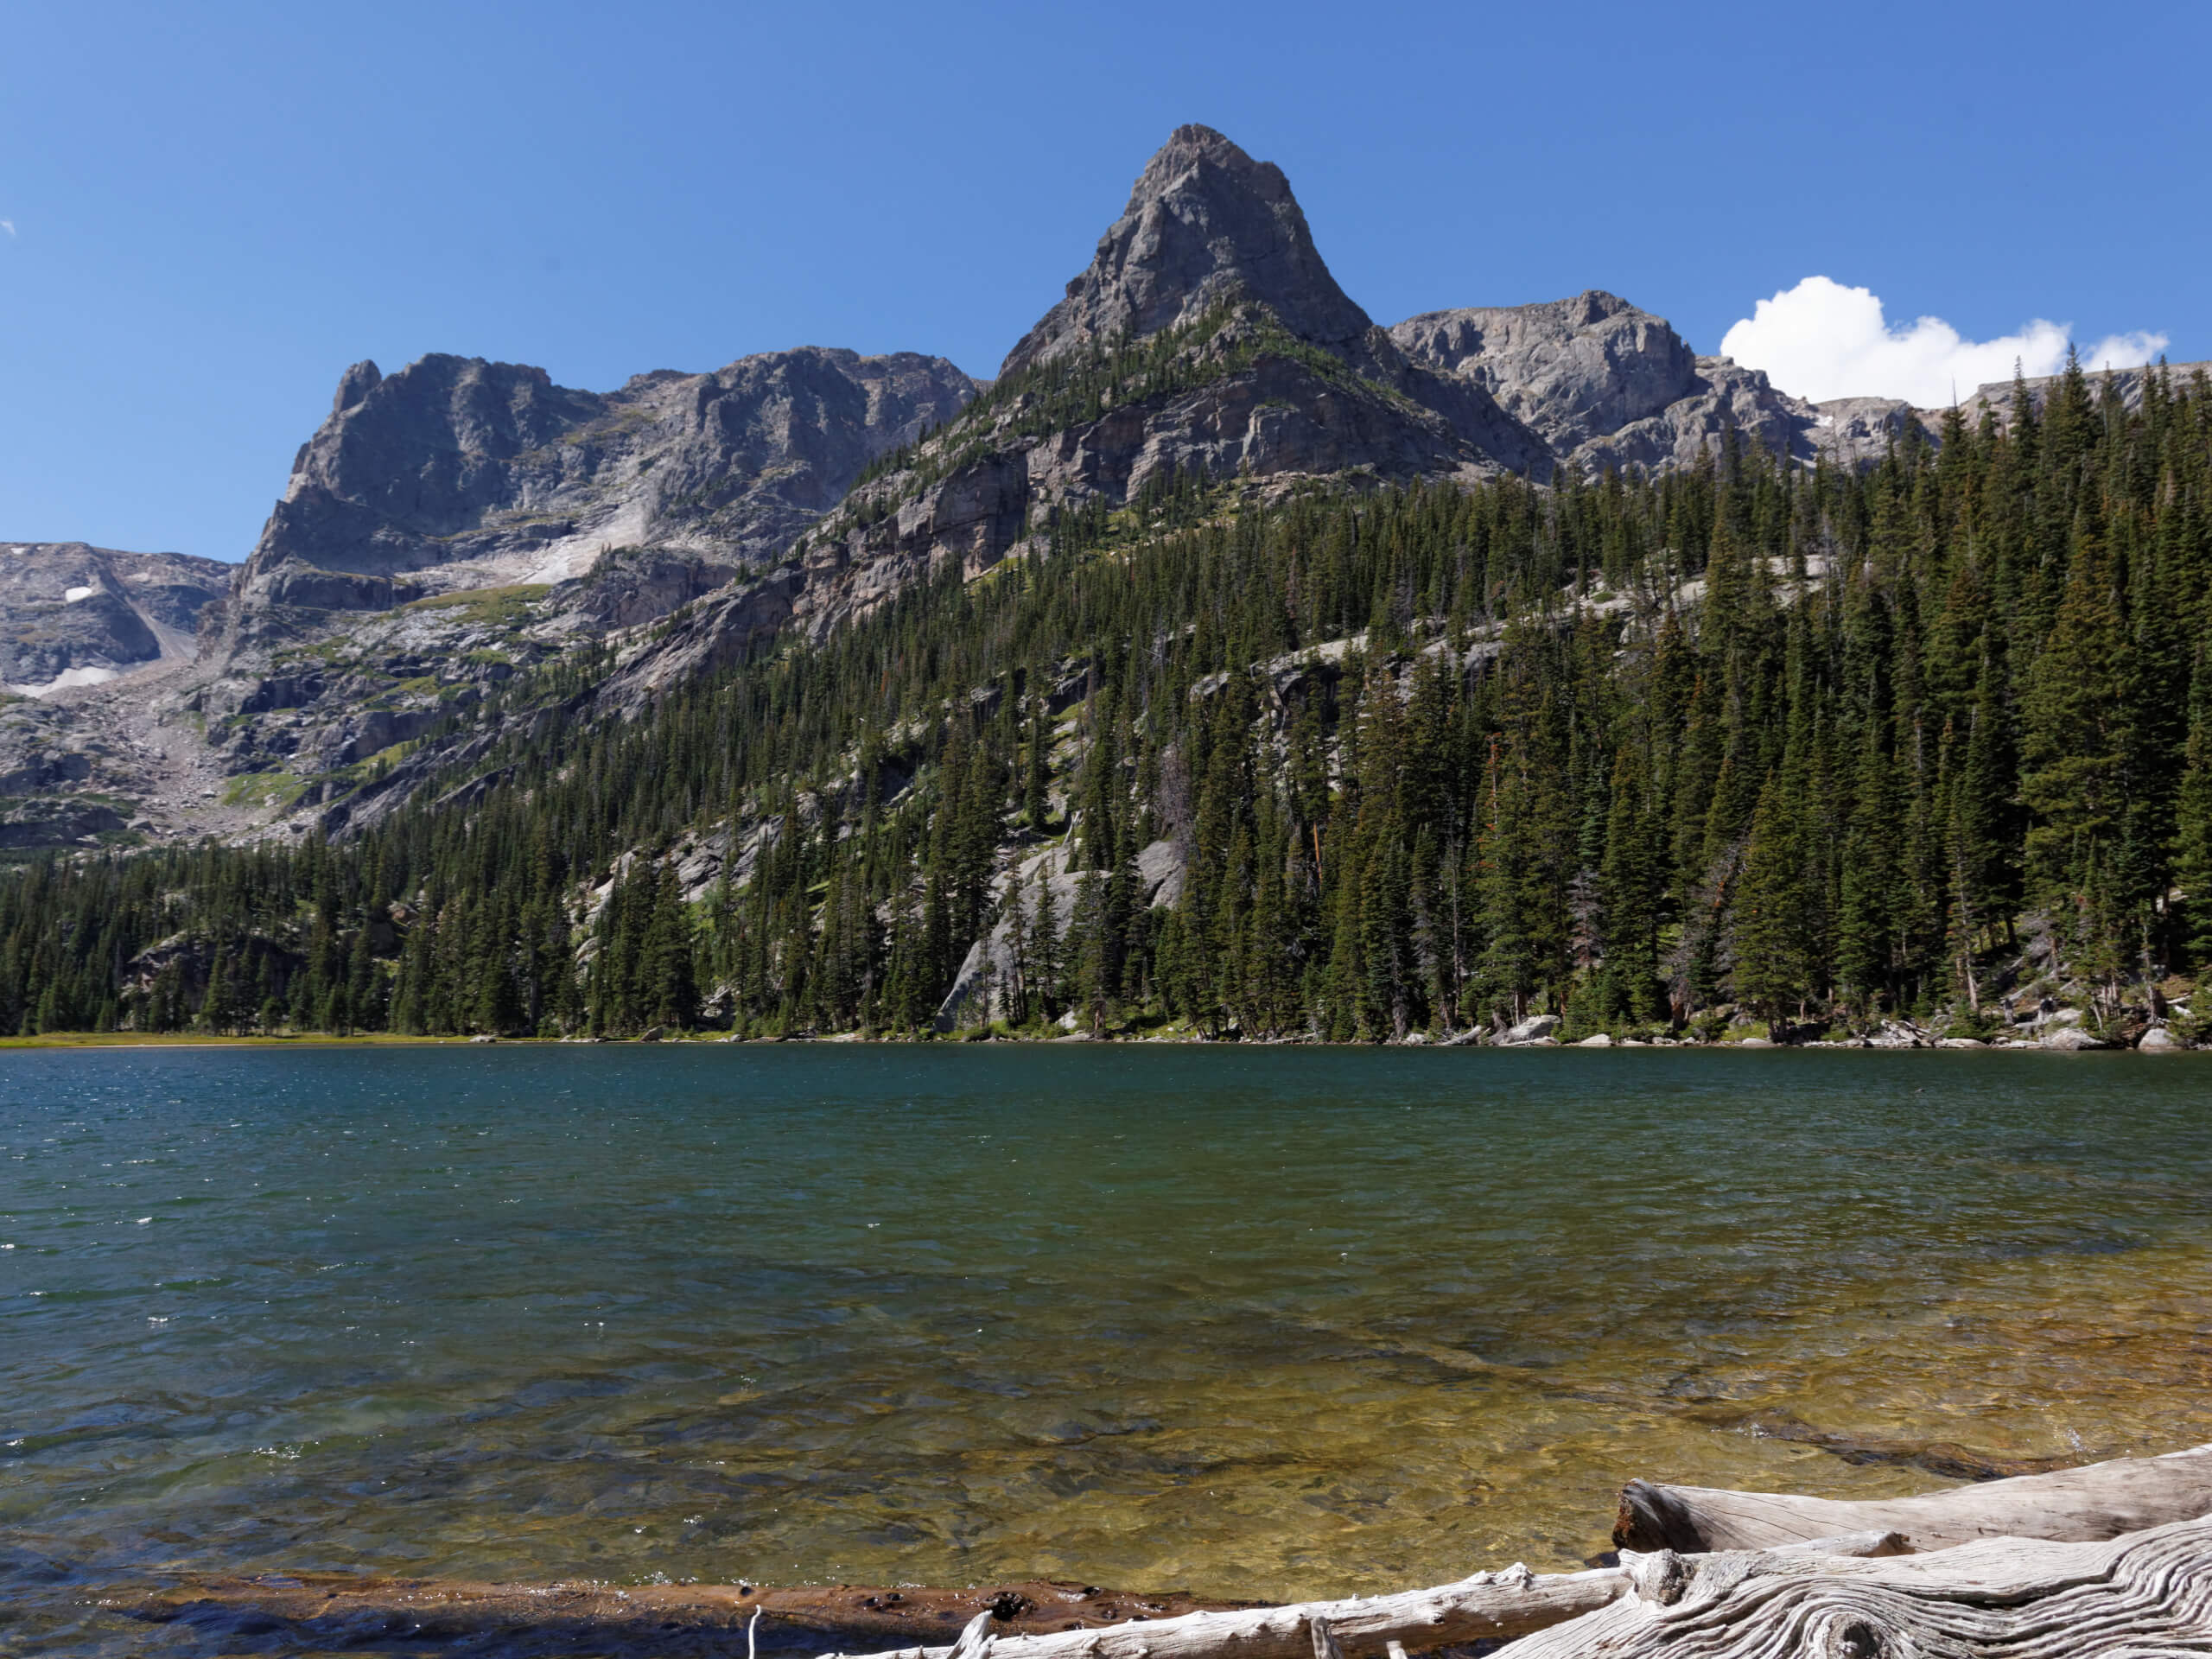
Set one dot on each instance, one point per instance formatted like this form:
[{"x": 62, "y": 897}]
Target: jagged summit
[{"x": 1204, "y": 223}]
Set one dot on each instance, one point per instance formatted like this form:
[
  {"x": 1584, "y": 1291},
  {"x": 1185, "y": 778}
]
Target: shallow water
[{"x": 1280, "y": 1322}]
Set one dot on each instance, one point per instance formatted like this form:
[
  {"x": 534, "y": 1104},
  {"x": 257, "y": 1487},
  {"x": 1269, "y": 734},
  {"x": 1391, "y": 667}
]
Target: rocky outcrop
[
  {"x": 1207, "y": 231},
  {"x": 1206, "y": 224},
  {"x": 456, "y": 474},
  {"x": 1573, "y": 370},
  {"x": 1606, "y": 385},
  {"x": 993, "y": 961},
  {"x": 722, "y": 629},
  {"x": 73, "y": 614}
]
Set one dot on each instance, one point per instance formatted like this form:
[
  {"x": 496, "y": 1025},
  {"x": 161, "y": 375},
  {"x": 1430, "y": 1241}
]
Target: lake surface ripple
[{"x": 1282, "y": 1323}]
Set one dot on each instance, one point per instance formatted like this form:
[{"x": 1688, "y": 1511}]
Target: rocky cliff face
[
  {"x": 1606, "y": 385},
  {"x": 460, "y": 520},
  {"x": 455, "y": 474},
  {"x": 72, "y": 614}
]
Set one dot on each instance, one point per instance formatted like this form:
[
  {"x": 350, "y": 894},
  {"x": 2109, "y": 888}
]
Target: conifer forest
[{"x": 1751, "y": 744}]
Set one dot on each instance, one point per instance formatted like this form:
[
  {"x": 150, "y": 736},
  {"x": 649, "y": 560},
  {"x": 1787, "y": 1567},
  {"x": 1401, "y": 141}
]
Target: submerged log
[
  {"x": 341, "y": 1608},
  {"x": 2096, "y": 1501},
  {"x": 2146, "y": 1593},
  {"x": 1946, "y": 1458}
]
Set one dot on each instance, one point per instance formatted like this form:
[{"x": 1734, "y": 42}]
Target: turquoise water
[{"x": 1271, "y": 1322}]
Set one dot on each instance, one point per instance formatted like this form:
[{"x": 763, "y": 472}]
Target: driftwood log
[
  {"x": 341, "y": 1610},
  {"x": 2034, "y": 1565},
  {"x": 2147, "y": 1595},
  {"x": 1490, "y": 1606},
  {"x": 2085, "y": 1505}
]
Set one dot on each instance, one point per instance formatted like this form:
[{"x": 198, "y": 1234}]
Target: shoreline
[{"x": 394, "y": 1039}]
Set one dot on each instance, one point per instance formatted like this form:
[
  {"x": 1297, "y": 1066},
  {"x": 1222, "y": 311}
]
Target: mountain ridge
[{"x": 460, "y": 521}]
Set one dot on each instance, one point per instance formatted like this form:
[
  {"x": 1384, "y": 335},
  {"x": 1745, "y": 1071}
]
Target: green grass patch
[
  {"x": 507, "y": 606},
  {"x": 274, "y": 789}
]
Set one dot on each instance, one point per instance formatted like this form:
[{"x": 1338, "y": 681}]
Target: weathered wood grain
[
  {"x": 1491, "y": 1606},
  {"x": 2148, "y": 1593},
  {"x": 2085, "y": 1505}
]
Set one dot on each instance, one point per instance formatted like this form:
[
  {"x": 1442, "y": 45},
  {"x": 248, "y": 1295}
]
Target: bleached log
[
  {"x": 339, "y": 1609},
  {"x": 2096, "y": 1501},
  {"x": 1490, "y": 1605},
  {"x": 1029, "y": 1620},
  {"x": 2146, "y": 1594}
]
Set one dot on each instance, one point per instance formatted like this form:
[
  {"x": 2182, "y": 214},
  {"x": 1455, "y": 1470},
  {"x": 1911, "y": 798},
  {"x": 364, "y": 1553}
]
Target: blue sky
[{"x": 207, "y": 213}]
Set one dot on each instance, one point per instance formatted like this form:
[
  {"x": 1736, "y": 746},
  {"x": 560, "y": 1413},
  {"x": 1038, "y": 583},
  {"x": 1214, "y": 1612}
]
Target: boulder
[
  {"x": 2159, "y": 1040},
  {"x": 1537, "y": 1028},
  {"x": 2072, "y": 1036},
  {"x": 1601, "y": 1040}
]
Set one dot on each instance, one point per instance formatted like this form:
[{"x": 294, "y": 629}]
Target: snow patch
[
  {"x": 73, "y": 596},
  {"x": 66, "y": 679}
]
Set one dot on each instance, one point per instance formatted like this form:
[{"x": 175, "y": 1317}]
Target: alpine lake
[{"x": 1253, "y": 1322}]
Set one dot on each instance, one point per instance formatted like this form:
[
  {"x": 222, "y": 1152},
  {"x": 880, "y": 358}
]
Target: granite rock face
[
  {"x": 1207, "y": 231},
  {"x": 73, "y": 614},
  {"x": 1606, "y": 385},
  {"x": 1573, "y": 370},
  {"x": 1205, "y": 224},
  {"x": 455, "y": 474}
]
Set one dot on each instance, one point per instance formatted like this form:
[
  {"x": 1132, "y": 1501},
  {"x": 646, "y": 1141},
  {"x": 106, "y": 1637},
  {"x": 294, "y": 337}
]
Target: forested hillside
[{"x": 1805, "y": 745}]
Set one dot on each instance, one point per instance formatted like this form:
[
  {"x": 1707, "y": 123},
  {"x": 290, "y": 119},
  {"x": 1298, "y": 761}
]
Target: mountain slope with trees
[{"x": 1805, "y": 746}]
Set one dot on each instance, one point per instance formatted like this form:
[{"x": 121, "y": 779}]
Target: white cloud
[
  {"x": 8, "y": 226},
  {"x": 1821, "y": 340}
]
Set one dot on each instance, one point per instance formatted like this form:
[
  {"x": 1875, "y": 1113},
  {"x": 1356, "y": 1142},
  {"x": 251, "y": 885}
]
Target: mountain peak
[{"x": 1204, "y": 223}]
